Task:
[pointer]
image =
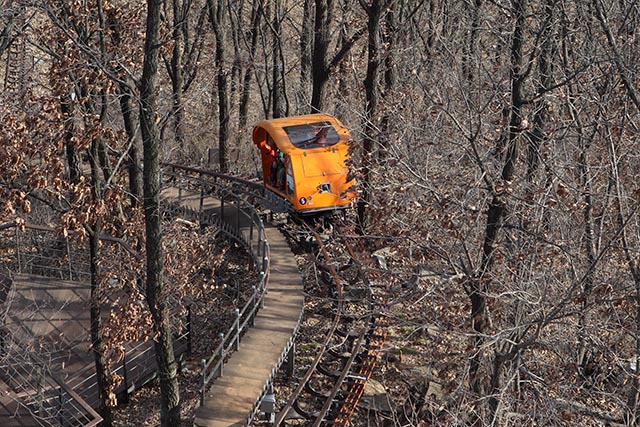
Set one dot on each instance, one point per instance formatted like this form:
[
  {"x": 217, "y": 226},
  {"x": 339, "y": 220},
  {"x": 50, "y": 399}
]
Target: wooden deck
[
  {"x": 12, "y": 413},
  {"x": 51, "y": 316},
  {"x": 231, "y": 398}
]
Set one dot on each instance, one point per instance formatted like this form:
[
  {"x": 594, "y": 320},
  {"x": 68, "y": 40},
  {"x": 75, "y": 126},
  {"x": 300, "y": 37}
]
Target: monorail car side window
[{"x": 312, "y": 135}]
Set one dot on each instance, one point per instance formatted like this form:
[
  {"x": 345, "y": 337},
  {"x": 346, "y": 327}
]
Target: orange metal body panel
[{"x": 314, "y": 155}]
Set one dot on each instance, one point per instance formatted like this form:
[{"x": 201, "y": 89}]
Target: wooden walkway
[{"x": 231, "y": 398}]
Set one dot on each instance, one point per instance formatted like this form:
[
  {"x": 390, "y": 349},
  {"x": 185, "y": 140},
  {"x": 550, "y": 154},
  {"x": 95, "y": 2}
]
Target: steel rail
[
  {"x": 358, "y": 340},
  {"x": 334, "y": 324}
]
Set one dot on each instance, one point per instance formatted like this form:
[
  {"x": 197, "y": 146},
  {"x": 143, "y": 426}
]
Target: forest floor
[
  {"x": 401, "y": 376},
  {"x": 229, "y": 265}
]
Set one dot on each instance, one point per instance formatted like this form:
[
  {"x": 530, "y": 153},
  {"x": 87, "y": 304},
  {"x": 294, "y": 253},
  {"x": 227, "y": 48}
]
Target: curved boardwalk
[
  {"x": 231, "y": 398},
  {"x": 54, "y": 310}
]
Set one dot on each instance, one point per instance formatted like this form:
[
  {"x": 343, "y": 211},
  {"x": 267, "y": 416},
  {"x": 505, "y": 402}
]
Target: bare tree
[
  {"x": 182, "y": 66},
  {"x": 322, "y": 64},
  {"x": 251, "y": 43},
  {"x": 155, "y": 286},
  {"x": 216, "y": 10},
  {"x": 374, "y": 12}
]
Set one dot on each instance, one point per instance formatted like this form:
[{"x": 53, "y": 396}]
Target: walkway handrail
[
  {"x": 255, "y": 190},
  {"x": 208, "y": 183}
]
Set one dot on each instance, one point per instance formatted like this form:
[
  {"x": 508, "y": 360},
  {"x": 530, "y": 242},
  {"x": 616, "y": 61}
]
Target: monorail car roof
[{"x": 295, "y": 133}]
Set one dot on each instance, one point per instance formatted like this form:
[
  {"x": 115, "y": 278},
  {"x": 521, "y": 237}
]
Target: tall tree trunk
[
  {"x": 478, "y": 288},
  {"x": 155, "y": 292},
  {"x": 371, "y": 82},
  {"x": 235, "y": 27},
  {"x": 306, "y": 38},
  {"x": 470, "y": 56},
  {"x": 589, "y": 250},
  {"x": 278, "y": 65},
  {"x": 74, "y": 161},
  {"x": 216, "y": 15},
  {"x": 618, "y": 59},
  {"x": 319, "y": 67},
  {"x": 97, "y": 343},
  {"x": 7, "y": 31},
  {"x": 389, "y": 36},
  {"x": 537, "y": 135},
  {"x": 632, "y": 410},
  {"x": 256, "y": 14},
  {"x": 177, "y": 78}
]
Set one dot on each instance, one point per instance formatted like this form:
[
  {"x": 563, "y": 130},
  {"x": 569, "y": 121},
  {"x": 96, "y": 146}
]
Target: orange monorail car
[{"x": 304, "y": 160}]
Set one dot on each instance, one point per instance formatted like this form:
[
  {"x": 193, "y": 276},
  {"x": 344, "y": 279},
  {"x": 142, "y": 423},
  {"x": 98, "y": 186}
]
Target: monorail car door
[{"x": 290, "y": 180}]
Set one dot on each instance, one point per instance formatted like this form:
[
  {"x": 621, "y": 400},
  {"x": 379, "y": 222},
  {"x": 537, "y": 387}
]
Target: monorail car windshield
[{"x": 312, "y": 135}]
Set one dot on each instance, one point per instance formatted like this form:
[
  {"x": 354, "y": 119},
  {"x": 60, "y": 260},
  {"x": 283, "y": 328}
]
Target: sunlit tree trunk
[
  {"x": 133, "y": 156},
  {"x": 319, "y": 68},
  {"x": 155, "y": 288},
  {"x": 371, "y": 87},
  {"x": 256, "y": 14},
  {"x": 216, "y": 17}
]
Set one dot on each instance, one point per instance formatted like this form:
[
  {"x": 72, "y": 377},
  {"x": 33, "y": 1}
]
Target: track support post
[
  {"x": 291, "y": 360},
  {"x": 201, "y": 193}
]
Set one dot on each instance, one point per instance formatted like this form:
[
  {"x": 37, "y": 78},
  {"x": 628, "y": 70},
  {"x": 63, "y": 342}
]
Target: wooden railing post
[
  {"x": 254, "y": 309},
  {"x": 201, "y": 192},
  {"x": 262, "y": 288},
  {"x": 203, "y": 380},
  {"x": 18, "y": 249},
  {"x": 237, "y": 329},
  {"x": 220, "y": 371},
  {"x": 69, "y": 258}
]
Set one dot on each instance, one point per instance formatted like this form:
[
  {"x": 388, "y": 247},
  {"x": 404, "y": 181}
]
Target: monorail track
[{"x": 329, "y": 390}]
